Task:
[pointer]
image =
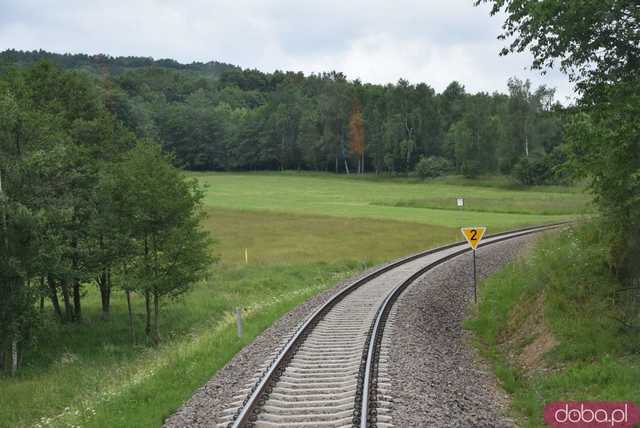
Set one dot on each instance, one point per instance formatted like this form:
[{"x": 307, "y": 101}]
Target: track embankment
[
  {"x": 424, "y": 374},
  {"x": 438, "y": 378}
]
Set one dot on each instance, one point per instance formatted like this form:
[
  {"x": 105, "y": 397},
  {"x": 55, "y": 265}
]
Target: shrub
[
  {"x": 432, "y": 166},
  {"x": 537, "y": 170},
  {"x": 531, "y": 171}
]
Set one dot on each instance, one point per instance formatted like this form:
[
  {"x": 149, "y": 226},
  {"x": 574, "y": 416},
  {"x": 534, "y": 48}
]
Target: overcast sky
[{"x": 432, "y": 41}]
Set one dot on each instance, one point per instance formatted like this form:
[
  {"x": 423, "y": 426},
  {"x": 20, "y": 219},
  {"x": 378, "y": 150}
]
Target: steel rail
[
  {"x": 369, "y": 385},
  {"x": 246, "y": 414}
]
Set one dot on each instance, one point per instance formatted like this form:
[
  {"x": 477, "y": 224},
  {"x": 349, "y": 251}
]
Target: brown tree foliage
[{"x": 356, "y": 134}]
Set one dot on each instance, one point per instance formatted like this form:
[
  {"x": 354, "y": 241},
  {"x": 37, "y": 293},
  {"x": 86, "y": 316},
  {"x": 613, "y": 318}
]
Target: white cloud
[{"x": 433, "y": 41}]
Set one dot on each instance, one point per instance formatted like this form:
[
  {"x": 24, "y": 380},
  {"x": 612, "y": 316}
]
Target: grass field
[
  {"x": 550, "y": 325},
  {"x": 302, "y": 232},
  {"x": 495, "y": 207}
]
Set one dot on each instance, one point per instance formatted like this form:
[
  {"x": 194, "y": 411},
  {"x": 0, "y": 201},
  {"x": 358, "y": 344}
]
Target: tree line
[
  {"x": 85, "y": 202},
  {"x": 235, "y": 119},
  {"x": 597, "y": 44},
  {"x": 248, "y": 120}
]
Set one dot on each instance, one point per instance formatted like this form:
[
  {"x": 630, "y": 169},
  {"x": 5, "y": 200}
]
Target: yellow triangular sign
[{"x": 473, "y": 235}]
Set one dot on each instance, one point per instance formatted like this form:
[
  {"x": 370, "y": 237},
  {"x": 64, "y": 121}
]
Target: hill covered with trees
[
  {"x": 105, "y": 64},
  {"x": 216, "y": 116}
]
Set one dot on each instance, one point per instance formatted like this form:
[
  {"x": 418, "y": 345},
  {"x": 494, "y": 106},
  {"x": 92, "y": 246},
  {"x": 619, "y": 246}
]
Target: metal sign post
[
  {"x": 474, "y": 235},
  {"x": 475, "y": 286}
]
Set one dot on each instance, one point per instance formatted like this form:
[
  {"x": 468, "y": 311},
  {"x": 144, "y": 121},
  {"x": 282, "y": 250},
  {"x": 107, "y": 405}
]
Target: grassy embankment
[
  {"x": 554, "y": 328},
  {"x": 303, "y": 233}
]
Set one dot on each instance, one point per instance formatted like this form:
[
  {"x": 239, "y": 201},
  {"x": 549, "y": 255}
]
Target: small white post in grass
[
  {"x": 239, "y": 322},
  {"x": 246, "y": 256}
]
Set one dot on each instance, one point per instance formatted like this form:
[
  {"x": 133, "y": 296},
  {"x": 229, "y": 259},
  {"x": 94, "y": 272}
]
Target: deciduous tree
[{"x": 356, "y": 135}]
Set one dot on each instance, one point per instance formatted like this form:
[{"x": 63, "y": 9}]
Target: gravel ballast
[
  {"x": 433, "y": 368},
  {"x": 207, "y": 403},
  {"x": 438, "y": 380}
]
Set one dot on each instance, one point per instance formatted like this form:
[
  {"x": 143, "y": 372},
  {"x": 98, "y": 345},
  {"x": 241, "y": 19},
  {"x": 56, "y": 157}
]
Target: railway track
[{"x": 332, "y": 371}]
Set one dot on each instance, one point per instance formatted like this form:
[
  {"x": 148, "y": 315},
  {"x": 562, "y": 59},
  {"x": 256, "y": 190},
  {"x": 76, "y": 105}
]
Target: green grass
[
  {"x": 92, "y": 367},
  {"x": 89, "y": 367},
  {"x": 506, "y": 183},
  {"x": 303, "y": 233},
  {"x": 565, "y": 292},
  {"x": 352, "y": 198},
  {"x": 293, "y": 238},
  {"x": 540, "y": 204}
]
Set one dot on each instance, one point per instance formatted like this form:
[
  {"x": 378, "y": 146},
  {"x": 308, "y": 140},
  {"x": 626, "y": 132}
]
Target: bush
[
  {"x": 550, "y": 169},
  {"x": 432, "y": 166},
  {"x": 531, "y": 171},
  {"x": 559, "y": 167}
]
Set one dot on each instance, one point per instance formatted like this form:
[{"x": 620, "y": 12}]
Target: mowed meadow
[{"x": 301, "y": 233}]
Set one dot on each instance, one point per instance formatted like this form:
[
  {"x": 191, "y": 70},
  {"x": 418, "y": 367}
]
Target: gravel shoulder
[
  {"x": 438, "y": 380},
  {"x": 434, "y": 369}
]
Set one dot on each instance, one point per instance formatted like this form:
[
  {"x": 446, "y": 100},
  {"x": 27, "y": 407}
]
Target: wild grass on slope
[
  {"x": 92, "y": 367},
  {"x": 91, "y": 374},
  {"x": 549, "y": 323}
]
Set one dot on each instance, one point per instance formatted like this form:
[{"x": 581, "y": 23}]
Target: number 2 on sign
[{"x": 473, "y": 235}]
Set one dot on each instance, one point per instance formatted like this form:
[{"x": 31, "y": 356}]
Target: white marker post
[
  {"x": 460, "y": 202},
  {"x": 239, "y": 329},
  {"x": 474, "y": 235}
]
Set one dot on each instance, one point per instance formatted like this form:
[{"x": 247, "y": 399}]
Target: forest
[
  {"x": 83, "y": 201},
  {"x": 216, "y": 116}
]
